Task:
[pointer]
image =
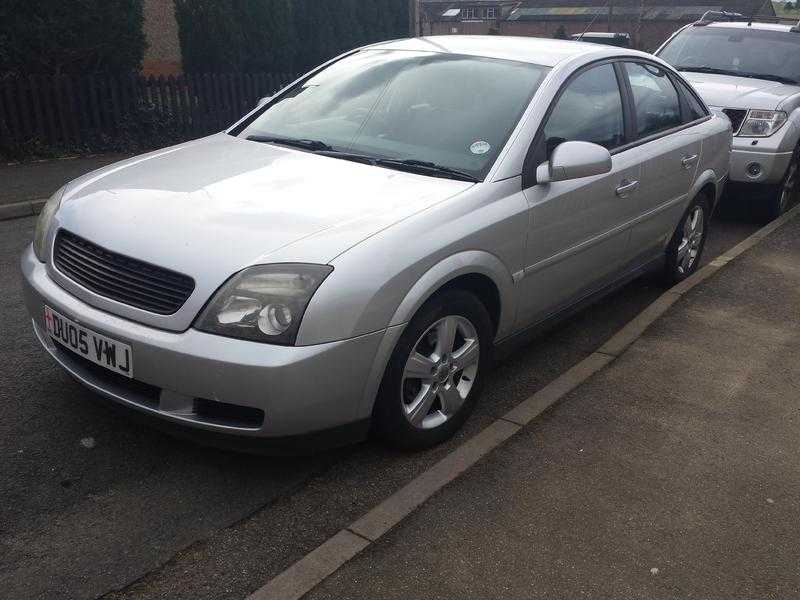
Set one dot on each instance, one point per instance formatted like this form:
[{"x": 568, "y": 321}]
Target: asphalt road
[{"x": 93, "y": 504}]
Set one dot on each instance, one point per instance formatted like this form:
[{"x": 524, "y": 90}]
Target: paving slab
[{"x": 672, "y": 473}]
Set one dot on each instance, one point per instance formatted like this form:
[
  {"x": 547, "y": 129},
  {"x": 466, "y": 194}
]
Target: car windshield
[
  {"x": 450, "y": 111},
  {"x": 744, "y": 52}
]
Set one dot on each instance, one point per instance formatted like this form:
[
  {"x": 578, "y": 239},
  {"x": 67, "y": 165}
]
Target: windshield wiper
[
  {"x": 427, "y": 168},
  {"x": 706, "y": 69},
  {"x": 747, "y": 74},
  {"x": 352, "y": 156},
  {"x": 414, "y": 166},
  {"x": 303, "y": 144},
  {"x": 768, "y": 77}
]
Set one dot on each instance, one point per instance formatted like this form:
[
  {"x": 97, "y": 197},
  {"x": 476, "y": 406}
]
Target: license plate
[{"x": 99, "y": 349}]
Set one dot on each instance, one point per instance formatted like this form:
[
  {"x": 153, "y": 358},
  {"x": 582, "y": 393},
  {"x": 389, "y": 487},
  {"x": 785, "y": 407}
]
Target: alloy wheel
[
  {"x": 440, "y": 372},
  {"x": 787, "y": 190},
  {"x": 692, "y": 241}
]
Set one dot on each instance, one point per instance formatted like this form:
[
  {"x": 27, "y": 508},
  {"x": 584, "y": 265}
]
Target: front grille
[
  {"x": 120, "y": 278},
  {"x": 137, "y": 391},
  {"x": 737, "y": 117}
]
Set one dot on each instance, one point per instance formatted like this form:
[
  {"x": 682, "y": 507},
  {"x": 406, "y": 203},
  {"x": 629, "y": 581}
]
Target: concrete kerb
[
  {"x": 311, "y": 570},
  {"x": 19, "y": 210}
]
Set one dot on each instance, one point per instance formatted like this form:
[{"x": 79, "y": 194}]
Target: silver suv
[{"x": 751, "y": 72}]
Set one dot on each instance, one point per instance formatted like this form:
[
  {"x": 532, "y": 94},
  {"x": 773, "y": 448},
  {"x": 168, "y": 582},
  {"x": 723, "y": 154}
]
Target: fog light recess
[{"x": 754, "y": 170}]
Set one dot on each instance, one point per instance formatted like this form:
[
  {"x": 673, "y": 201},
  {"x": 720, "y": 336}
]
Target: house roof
[{"x": 651, "y": 10}]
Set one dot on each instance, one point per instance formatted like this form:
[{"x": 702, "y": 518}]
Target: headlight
[
  {"x": 44, "y": 222},
  {"x": 762, "y": 123},
  {"x": 264, "y": 303}
]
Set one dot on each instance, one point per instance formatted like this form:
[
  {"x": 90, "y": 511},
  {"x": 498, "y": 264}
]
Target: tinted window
[
  {"x": 589, "y": 110},
  {"x": 736, "y": 51},
  {"x": 696, "y": 110},
  {"x": 457, "y": 111},
  {"x": 656, "y": 99}
]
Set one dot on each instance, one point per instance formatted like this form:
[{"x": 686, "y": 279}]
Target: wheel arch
[
  {"x": 707, "y": 184},
  {"x": 477, "y": 271}
]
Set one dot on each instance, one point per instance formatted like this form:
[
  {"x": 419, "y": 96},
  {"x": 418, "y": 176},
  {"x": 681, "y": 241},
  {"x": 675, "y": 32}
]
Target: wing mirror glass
[{"x": 573, "y": 160}]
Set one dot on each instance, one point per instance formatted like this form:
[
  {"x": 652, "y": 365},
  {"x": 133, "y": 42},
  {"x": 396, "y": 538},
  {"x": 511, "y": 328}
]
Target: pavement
[
  {"x": 673, "y": 473},
  {"x": 93, "y": 504},
  {"x": 32, "y": 181}
]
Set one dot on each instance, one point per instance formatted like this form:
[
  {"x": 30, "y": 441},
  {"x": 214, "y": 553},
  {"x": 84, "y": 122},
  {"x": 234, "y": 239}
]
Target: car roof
[
  {"x": 541, "y": 51},
  {"x": 787, "y": 27}
]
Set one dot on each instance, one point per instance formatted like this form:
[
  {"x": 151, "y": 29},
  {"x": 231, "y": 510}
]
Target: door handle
[
  {"x": 627, "y": 187},
  {"x": 688, "y": 161}
]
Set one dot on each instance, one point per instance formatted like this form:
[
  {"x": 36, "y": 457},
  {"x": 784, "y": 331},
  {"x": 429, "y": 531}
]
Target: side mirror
[
  {"x": 263, "y": 101},
  {"x": 573, "y": 160}
]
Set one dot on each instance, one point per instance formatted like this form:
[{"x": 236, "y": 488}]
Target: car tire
[
  {"x": 779, "y": 198},
  {"x": 685, "y": 249},
  {"x": 435, "y": 374}
]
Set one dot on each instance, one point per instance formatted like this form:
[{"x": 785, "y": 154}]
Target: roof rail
[{"x": 712, "y": 16}]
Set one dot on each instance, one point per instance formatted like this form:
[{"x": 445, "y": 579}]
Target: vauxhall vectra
[{"x": 348, "y": 256}]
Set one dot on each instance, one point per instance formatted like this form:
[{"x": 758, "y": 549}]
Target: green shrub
[
  {"x": 71, "y": 36},
  {"x": 243, "y": 36}
]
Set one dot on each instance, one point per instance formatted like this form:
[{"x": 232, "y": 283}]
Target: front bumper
[
  {"x": 214, "y": 383},
  {"x": 773, "y": 164}
]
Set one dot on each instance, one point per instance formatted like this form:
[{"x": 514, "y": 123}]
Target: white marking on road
[{"x": 654, "y": 571}]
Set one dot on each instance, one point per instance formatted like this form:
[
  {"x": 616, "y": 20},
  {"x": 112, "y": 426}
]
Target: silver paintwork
[
  {"x": 774, "y": 153},
  {"x": 214, "y": 206}
]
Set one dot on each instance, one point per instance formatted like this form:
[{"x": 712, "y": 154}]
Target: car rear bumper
[
  {"x": 217, "y": 384},
  {"x": 771, "y": 166}
]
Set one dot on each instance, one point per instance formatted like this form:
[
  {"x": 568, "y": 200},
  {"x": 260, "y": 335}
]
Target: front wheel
[
  {"x": 435, "y": 374},
  {"x": 686, "y": 247}
]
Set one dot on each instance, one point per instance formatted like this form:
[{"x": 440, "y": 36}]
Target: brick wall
[
  {"x": 460, "y": 27},
  {"x": 163, "y": 55}
]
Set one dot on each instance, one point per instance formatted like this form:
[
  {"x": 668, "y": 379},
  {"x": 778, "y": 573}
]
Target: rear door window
[{"x": 656, "y": 102}]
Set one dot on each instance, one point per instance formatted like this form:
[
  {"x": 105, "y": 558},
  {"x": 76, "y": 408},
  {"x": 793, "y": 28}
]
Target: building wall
[
  {"x": 163, "y": 55},
  {"x": 461, "y": 27}
]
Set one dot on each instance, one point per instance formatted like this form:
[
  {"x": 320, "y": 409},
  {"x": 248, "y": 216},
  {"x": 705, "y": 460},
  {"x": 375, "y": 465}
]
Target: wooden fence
[{"x": 77, "y": 111}]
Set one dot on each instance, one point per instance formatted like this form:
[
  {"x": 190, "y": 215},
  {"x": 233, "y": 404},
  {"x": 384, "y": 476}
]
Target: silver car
[
  {"x": 349, "y": 255},
  {"x": 751, "y": 72}
]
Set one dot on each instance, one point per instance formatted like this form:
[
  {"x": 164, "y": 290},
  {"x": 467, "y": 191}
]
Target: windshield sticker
[{"x": 480, "y": 147}]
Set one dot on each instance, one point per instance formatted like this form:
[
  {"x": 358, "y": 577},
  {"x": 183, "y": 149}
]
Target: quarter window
[
  {"x": 656, "y": 100},
  {"x": 589, "y": 110},
  {"x": 696, "y": 110}
]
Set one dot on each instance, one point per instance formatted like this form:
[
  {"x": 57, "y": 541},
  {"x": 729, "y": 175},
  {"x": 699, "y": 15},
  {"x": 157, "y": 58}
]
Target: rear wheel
[
  {"x": 686, "y": 247},
  {"x": 781, "y": 197},
  {"x": 435, "y": 374}
]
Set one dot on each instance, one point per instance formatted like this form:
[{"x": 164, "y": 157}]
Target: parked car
[
  {"x": 349, "y": 255},
  {"x": 750, "y": 71},
  {"x": 620, "y": 40}
]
